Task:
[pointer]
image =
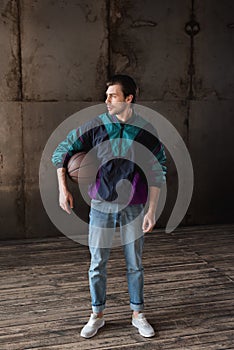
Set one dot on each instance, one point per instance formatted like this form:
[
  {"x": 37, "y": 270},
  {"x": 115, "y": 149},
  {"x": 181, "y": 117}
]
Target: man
[{"x": 116, "y": 136}]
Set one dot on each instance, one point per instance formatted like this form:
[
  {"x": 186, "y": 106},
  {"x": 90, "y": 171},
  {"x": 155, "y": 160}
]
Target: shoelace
[{"x": 143, "y": 321}]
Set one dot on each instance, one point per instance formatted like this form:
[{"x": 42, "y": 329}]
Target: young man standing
[{"x": 119, "y": 130}]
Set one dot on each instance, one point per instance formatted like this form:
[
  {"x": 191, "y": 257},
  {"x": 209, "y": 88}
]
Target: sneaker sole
[
  {"x": 144, "y": 335},
  {"x": 93, "y": 334}
]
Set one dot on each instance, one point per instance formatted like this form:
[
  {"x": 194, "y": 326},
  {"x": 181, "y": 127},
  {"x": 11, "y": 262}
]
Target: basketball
[{"x": 82, "y": 168}]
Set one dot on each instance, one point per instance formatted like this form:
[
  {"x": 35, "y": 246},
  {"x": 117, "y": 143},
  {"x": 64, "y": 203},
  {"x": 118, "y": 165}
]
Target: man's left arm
[
  {"x": 156, "y": 176},
  {"x": 149, "y": 218}
]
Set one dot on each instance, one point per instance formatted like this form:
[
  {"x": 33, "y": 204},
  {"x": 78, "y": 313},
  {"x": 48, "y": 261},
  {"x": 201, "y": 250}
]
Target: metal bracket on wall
[{"x": 192, "y": 27}]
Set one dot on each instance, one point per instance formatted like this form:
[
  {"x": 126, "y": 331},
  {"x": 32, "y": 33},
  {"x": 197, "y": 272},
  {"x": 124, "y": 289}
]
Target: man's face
[{"x": 115, "y": 100}]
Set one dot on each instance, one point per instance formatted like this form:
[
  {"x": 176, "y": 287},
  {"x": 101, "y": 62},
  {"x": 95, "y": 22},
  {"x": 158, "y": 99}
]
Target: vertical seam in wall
[
  {"x": 21, "y": 98},
  {"x": 108, "y": 37},
  {"x": 20, "y": 82},
  {"x": 190, "y": 96},
  {"x": 191, "y": 74},
  {"x": 191, "y": 63},
  {"x": 22, "y": 189}
]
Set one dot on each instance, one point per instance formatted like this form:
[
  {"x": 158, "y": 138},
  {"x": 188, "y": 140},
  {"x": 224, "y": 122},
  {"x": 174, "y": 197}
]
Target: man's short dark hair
[{"x": 128, "y": 85}]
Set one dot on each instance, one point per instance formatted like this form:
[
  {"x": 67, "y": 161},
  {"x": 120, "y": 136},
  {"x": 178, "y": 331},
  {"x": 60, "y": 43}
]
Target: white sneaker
[
  {"x": 144, "y": 328},
  {"x": 91, "y": 328}
]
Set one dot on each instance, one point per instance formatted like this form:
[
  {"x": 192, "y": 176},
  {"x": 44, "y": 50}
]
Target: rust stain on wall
[
  {"x": 1, "y": 166},
  {"x": 1, "y": 160},
  {"x": 143, "y": 23},
  {"x": 9, "y": 14}
]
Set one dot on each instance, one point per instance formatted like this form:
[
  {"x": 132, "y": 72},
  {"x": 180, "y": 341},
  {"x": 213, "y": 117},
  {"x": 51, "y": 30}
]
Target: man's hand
[
  {"x": 149, "y": 218},
  {"x": 148, "y": 222},
  {"x": 66, "y": 201},
  {"x": 65, "y": 197}
]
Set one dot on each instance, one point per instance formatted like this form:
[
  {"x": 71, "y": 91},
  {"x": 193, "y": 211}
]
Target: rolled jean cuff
[
  {"x": 98, "y": 308},
  {"x": 137, "y": 307}
]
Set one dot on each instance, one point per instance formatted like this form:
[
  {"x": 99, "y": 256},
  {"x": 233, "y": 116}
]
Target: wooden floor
[{"x": 189, "y": 293}]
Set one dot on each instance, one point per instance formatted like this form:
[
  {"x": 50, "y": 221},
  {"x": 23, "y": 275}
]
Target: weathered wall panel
[
  {"x": 211, "y": 148},
  {"x": 147, "y": 40},
  {"x": 214, "y": 50},
  {"x": 9, "y": 51},
  {"x": 64, "y": 49},
  {"x": 11, "y": 171}
]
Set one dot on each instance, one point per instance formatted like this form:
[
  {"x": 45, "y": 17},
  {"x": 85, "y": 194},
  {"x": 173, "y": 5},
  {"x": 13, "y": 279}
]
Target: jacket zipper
[{"x": 121, "y": 136}]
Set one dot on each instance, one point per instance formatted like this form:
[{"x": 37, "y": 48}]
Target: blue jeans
[{"x": 101, "y": 232}]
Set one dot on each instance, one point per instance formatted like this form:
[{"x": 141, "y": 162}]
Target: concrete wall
[{"x": 55, "y": 59}]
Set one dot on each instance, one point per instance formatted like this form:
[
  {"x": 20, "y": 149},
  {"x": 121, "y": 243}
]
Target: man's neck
[{"x": 125, "y": 115}]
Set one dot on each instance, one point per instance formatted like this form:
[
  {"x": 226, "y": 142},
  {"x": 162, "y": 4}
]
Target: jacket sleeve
[
  {"x": 74, "y": 142},
  {"x": 156, "y": 168}
]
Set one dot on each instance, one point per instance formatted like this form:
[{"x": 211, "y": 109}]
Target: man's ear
[{"x": 129, "y": 98}]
